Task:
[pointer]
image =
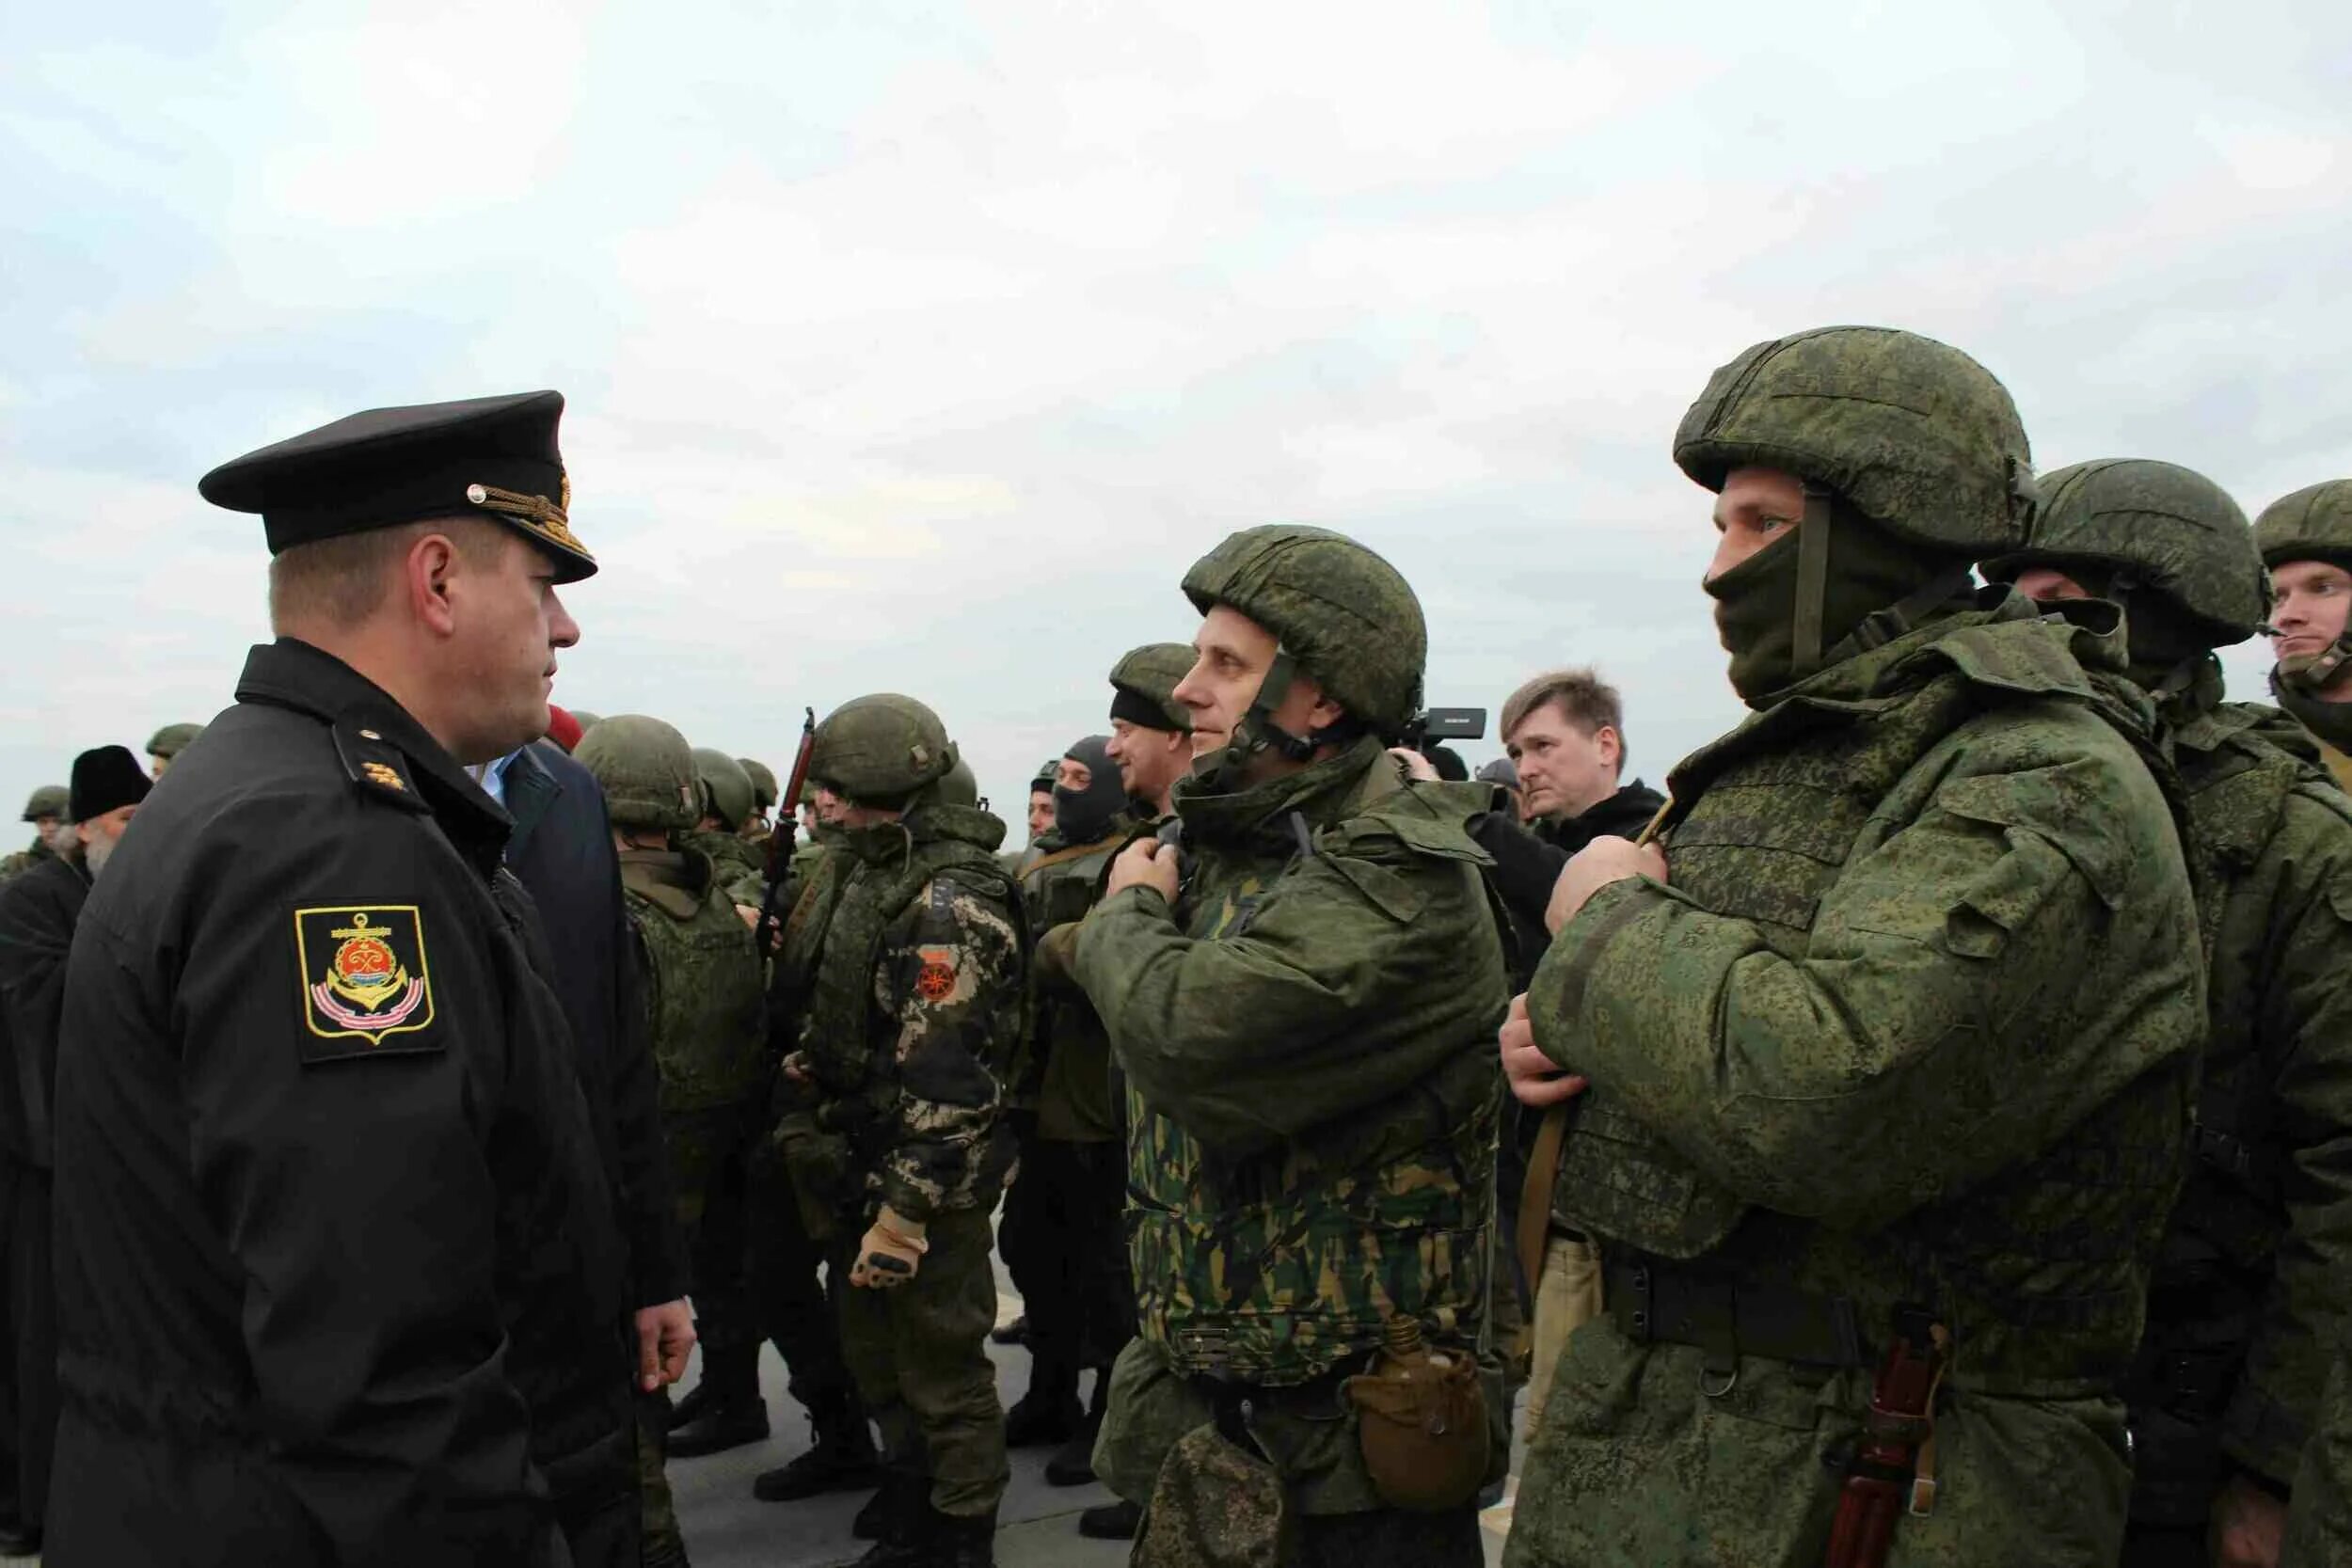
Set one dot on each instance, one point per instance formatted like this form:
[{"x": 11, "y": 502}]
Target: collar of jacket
[
  {"x": 927, "y": 823},
  {"x": 291, "y": 674},
  {"x": 528, "y": 787},
  {"x": 677, "y": 880},
  {"x": 1322, "y": 792}
]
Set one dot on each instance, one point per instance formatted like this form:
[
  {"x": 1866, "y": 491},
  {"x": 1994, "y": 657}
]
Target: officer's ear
[{"x": 446, "y": 558}]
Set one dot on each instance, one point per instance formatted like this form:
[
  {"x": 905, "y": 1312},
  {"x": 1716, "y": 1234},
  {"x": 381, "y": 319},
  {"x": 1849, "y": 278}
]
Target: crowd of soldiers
[{"x": 1921, "y": 1135}]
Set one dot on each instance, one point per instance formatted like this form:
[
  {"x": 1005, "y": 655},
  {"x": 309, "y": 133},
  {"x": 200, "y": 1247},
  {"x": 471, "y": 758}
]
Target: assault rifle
[{"x": 779, "y": 856}]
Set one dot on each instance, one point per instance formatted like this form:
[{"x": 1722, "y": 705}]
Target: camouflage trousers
[
  {"x": 919, "y": 1354},
  {"x": 661, "y": 1545}
]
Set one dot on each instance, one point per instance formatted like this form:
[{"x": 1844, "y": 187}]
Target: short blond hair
[
  {"x": 344, "y": 581},
  {"x": 1588, "y": 702}
]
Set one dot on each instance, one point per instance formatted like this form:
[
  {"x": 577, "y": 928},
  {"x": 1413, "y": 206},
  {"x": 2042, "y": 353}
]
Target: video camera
[{"x": 1430, "y": 728}]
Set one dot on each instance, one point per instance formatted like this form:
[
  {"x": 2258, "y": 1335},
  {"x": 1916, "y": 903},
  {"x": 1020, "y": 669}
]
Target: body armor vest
[
  {"x": 1763, "y": 822},
  {"x": 1279, "y": 1267},
  {"x": 704, "y": 983},
  {"x": 836, "y": 933}
]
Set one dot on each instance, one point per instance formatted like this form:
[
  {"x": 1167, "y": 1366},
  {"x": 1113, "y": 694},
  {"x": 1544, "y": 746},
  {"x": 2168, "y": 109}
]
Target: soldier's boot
[
  {"x": 1072, "y": 1464},
  {"x": 901, "y": 1495},
  {"x": 1050, "y": 1411},
  {"x": 734, "y": 1414},
  {"x": 1115, "y": 1521},
  {"x": 1013, "y": 1333},
  {"x": 841, "y": 1456},
  {"x": 694, "y": 1405},
  {"x": 963, "y": 1543},
  {"x": 909, "y": 1535}
]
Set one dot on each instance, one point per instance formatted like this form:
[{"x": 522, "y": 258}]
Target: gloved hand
[{"x": 889, "y": 1252}]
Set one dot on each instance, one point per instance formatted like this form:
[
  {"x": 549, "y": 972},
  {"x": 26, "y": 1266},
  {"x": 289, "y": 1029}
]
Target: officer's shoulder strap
[{"x": 378, "y": 767}]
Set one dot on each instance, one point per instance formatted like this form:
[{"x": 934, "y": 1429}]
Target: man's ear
[
  {"x": 1322, "y": 712},
  {"x": 1611, "y": 746},
  {"x": 427, "y": 571}
]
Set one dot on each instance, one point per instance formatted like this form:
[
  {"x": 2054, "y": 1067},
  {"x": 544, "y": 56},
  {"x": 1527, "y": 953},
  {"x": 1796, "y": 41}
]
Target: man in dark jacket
[
  {"x": 339, "y": 1278},
  {"x": 38, "y": 914}
]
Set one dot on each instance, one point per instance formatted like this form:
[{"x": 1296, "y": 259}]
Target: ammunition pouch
[
  {"x": 818, "y": 1164},
  {"x": 1424, "y": 1431},
  {"x": 1653, "y": 1299},
  {"x": 1218, "y": 1501}
]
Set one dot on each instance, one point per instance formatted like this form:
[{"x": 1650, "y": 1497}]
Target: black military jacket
[
  {"x": 338, "y": 1273},
  {"x": 37, "y": 912}
]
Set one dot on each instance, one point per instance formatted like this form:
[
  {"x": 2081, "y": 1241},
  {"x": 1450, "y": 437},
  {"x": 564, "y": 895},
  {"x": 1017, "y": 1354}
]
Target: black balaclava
[
  {"x": 1870, "y": 569},
  {"x": 1084, "y": 816}
]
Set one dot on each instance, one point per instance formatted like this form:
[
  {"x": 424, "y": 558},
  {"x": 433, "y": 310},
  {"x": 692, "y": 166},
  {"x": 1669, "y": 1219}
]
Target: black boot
[
  {"x": 1049, "y": 1412},
  {"x": 907, "y": 1531},
  {"x": 723, "y": 1424},
  {"x": 1117, "y": 1521},
  {"x": 961, "y": 1543},
  {"x": 840, "y": 1458},
  {"x": 901, "y": 1497},
  {"x": 1013, "y": 1333},
  {"x": 694, "y": 1405},
  {"x": 1072, "y": 1464}
]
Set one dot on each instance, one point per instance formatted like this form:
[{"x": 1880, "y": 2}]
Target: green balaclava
[{"x": 1761, "y": 612}]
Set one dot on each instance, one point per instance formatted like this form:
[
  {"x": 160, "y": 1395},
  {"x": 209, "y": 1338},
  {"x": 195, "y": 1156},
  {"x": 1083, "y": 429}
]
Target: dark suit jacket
[
  {"x": 37, "y": 911},
  {"x": 561, "y": 852}
]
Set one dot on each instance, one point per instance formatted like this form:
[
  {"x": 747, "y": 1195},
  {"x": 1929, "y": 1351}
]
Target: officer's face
[
  {"x": 2309, "y": 599},
  {"x": 508, "y": 624},
  {"x": 1149, "y": 760},
  {"x": 1231, "y": 656},
  {"x": 1564, "y": 770},
  {"x": 1756, "y": 506},
  {"x": 2049, "y": 585}
]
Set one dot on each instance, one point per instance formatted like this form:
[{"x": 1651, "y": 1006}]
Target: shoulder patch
[
  {"x": 376, "y": 765},
  {"x": 364, "y": 980},
  {"x": 935, "y": 977}
]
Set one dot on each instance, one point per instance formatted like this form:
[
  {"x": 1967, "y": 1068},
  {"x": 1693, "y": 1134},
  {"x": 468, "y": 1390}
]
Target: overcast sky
[{"x": 921, "y": 347}]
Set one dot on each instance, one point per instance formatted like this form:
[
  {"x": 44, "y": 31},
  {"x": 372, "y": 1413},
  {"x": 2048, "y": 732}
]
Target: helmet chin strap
[
  {"x": 2321, "y": 672},
  {"x": 1812, "y": 583}
]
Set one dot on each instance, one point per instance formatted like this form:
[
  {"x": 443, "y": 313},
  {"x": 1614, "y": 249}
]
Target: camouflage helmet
[
  {"x": 1341, "y": 613},
  {"x": 172, "y": 739},
  {"x": 763, "y": 781},
  {"x": 1047, "y": 773},
  {"x": 1150, "y": 676},
  {"x": 646, "y": 769},
  {"x": 960, "y": 785},
  {"x": 48, "y": 800},
  {"x": 2174, "y": 531},
  {"x": 881, "y": 749},
  {"x": 1920, "y": 438},
  {"x": 2312, "y": 524},
  {"x": 727, "y": 792}
]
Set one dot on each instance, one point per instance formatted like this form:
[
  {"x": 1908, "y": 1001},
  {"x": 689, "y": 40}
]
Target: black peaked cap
[
  {"x": 103, "y": 780},
  {"x": 494, "y": 457}
]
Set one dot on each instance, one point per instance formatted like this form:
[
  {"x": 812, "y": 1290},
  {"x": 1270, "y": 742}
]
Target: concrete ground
[{"x": 726, "y": 1527}]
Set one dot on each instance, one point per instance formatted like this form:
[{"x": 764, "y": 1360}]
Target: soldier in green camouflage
[
  {"x": 45, "y": 809},
  {"x": 168, "y": 743},
  {"x": 1889, "y": 1050},
  {"x": 759, "y": 824},
  {"x": 2319, "y": 1527},
  {"x": 1150, "y": 731},
  {"x": 913, "y": 944},
  {"x": 2306, "y": 541},
  {"x": 728, "y": 800},
  {"x": 701, "y": 986},
  {"x": 2245, "y": 1307},
  {"x": 1302, "y": 1000}
]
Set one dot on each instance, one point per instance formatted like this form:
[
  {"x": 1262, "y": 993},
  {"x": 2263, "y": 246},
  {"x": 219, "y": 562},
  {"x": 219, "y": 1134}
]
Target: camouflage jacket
[
  {"x": 1915, "y": 1021},
  {"x": 915, "y": 1004},
  {"x": 2261, "y": 1241},
  {"x": 2328, "y": 724},
  {"x": 703, "y": 984},
  {"x": 1071, "y": 1053},
  {"x": 1308, "y": 1040},
  {"x": 739, "y": 868},
  {"x": 19, "y": 861},
  {"x": 2319, "y": 1523}
]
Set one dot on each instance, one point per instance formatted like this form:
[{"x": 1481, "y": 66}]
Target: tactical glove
[{"x": 890, "y": 1251}]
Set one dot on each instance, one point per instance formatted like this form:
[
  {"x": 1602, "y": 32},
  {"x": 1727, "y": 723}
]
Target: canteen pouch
[
  {"x": 1421, "y": 1424},
  {"x": 1217, "y": 1502},
  {"x": 817, "y": 1162}
]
